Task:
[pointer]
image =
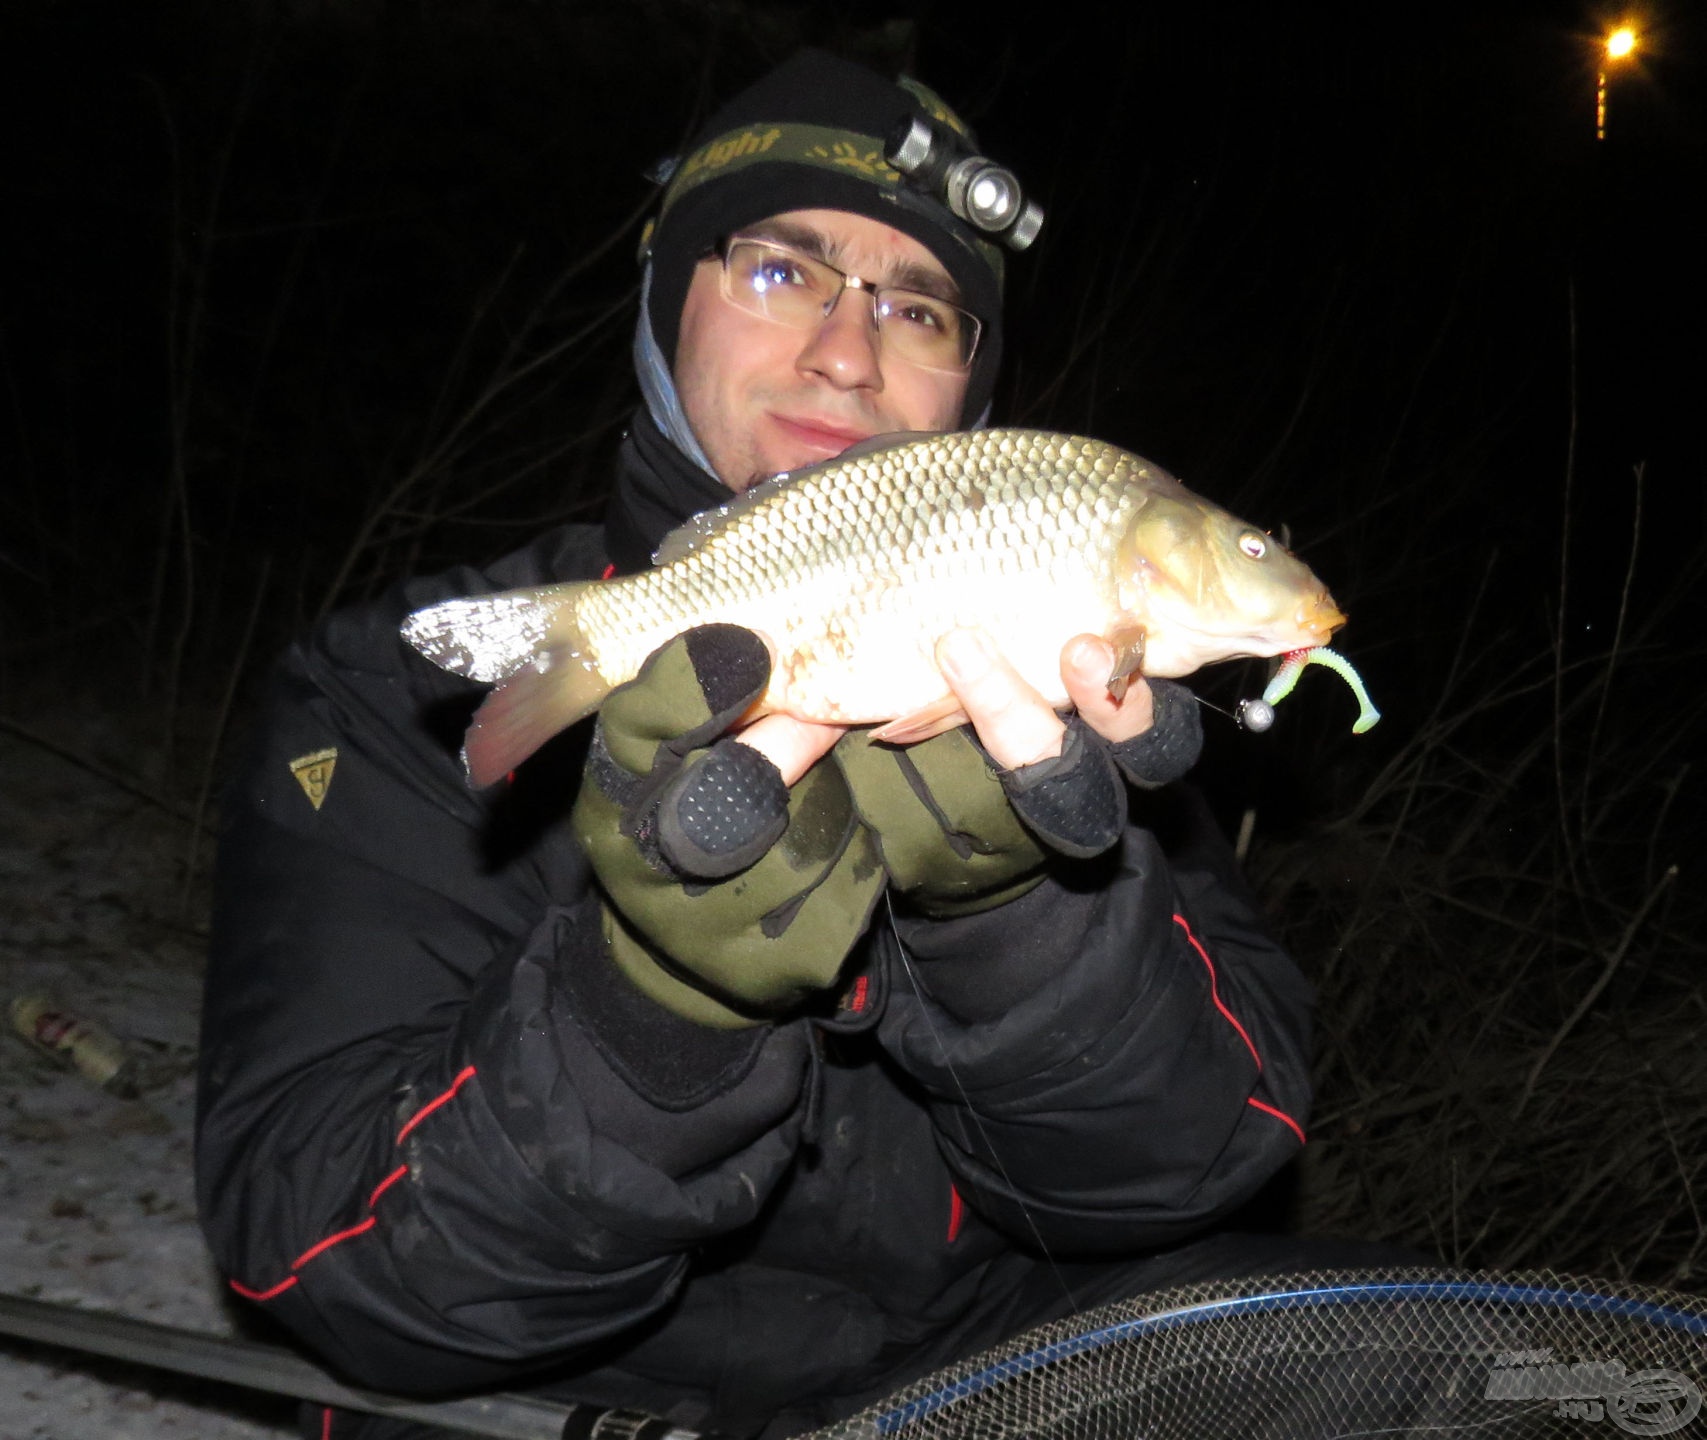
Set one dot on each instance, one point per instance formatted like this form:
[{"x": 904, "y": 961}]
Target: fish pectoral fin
[
  {"x": 1128, "y": 642},
  {"x": 930, "y": 720},
  {"x": 526, "y": 710},
  {"x": 531, "y": 645}
]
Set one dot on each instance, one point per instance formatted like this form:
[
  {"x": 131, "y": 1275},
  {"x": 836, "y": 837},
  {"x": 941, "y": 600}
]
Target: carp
[{"x": 851, "y": 571}]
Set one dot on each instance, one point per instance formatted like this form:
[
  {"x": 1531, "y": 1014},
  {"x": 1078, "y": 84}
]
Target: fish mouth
[{"x": 1318, "y": 615}]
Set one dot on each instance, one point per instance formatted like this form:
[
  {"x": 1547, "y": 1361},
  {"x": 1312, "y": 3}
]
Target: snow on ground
[{"x": 96, "y": 1198}]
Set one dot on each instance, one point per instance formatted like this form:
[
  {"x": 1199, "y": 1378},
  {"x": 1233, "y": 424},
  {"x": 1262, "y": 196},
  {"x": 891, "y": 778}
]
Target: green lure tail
[{"x": 1293, "y": 666}]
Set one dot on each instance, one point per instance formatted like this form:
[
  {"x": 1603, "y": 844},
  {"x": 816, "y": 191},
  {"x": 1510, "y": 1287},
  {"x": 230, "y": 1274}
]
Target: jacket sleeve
[
  {"x": 1116, "y": 1058},
  {"x": 435, "y": 1136}
]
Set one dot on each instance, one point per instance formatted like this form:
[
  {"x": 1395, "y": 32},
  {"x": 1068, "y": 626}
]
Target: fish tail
[{"x": 532, "y": 643}]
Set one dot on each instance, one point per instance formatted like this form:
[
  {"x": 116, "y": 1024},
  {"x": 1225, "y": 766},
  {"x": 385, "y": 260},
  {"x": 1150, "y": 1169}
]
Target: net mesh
[{"x": 1341, "y": 1353}]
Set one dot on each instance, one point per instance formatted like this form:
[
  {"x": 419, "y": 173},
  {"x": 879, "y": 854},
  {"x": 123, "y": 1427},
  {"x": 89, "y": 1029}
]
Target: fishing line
[
  {"x": 1253, "y": 716},
  {"x": 966, "y": 1101},
  {"x": 1218, "y": 709}
]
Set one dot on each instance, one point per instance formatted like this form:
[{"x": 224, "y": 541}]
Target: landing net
[{"x": 1343, "y": 1353}]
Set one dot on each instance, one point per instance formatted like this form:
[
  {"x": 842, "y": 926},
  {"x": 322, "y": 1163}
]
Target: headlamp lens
[
  {"x": 978, "y": 190},
  {"x": 992, "y": 196}
]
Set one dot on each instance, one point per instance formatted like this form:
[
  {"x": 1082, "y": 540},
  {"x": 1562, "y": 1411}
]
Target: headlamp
[{"x": 978, "y": 190}]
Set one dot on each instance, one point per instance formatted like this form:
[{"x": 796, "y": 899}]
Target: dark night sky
[{"x": 1325, "y": 264}]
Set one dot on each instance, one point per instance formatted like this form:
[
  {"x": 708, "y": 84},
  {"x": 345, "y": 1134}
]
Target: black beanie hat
[{"x": 810, "y": 135}]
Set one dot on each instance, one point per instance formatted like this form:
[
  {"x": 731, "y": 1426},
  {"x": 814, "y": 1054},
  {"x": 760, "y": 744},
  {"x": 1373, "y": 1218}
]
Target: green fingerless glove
[
  {"x": 730, "y": 897},
  {"x": 950, "y": 839}
]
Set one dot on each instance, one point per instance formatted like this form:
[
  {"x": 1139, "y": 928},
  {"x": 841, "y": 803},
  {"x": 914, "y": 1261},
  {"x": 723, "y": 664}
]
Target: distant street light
[{"x": 1620, "y": 45}]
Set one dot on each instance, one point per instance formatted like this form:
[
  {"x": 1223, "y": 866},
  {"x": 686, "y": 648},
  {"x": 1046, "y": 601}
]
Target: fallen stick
[{"x": 278, "y": 1371}]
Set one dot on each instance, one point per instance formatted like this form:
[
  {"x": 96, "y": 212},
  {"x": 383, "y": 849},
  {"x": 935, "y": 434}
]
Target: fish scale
[
  {"x": 804, "y": 543},
  {"x": 853, "y": 569}
]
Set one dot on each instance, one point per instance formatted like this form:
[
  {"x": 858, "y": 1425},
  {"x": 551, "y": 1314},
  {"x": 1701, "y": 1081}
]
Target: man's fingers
[
  {"x": 1016, "y": 725},
  {"x": 730, "y": 805},
  {"x": 793, "y": 746},
  {"x": 1086, "y": 662},
  {"x": 689, "y": 691}
]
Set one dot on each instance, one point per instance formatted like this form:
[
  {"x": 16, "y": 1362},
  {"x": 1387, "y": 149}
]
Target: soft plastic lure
[{"x": 1259, "y": 714}]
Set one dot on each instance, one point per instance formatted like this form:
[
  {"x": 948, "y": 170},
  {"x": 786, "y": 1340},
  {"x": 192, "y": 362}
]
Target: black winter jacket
[{"x": 442, "y": 1142}]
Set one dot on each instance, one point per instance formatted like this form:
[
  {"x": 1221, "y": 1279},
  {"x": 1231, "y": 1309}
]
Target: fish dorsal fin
[
  {"x": 697, "y": 529},
  {"x": 695, "y": 532}
]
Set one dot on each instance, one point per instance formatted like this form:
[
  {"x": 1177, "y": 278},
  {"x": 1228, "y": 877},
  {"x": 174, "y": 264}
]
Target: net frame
[{"x": 1329, "y": 1353}]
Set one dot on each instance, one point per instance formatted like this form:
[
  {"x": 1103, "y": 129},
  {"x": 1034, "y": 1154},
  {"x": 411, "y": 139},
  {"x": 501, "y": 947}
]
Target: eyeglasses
[{"x": 778, "y": 283}]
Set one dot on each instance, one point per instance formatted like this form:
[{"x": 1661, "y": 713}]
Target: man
[{"x": 733, "y": 1079}]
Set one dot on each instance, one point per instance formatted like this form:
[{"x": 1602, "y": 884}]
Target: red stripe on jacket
[
  {"x": 362, "y": 1226},
  {"x": 1233, "y": 1020}
]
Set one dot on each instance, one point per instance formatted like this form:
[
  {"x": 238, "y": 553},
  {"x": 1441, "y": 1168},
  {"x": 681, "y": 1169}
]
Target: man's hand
[
  {"x": 1064, "y": 776},
  {"x": 793, "y": 746},
  {"x": 1153, "y": 732},
  {"x": 946, "y": 816},
  {"x": 737, "y": 875},
  {"x": 1014, "y": 722},
  {"x": 965, "y": 825}
]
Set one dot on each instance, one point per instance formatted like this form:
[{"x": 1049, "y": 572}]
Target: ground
[{"x": 97, "y": 1205}]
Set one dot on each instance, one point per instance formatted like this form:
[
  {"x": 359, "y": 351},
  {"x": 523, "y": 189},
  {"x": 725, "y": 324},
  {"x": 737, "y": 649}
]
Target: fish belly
[{"x": 859, "y": 652}]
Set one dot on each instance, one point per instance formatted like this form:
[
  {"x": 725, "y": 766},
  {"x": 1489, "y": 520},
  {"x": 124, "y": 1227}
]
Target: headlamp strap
[{"x": 824, "y": 147}]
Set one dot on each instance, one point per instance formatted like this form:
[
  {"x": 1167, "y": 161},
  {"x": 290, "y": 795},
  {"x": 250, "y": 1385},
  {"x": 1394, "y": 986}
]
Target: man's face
[{"x": 763, "y": 397}]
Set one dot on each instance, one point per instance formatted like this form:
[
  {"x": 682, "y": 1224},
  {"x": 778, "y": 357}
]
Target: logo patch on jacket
[{"x": 314, "y": 774}]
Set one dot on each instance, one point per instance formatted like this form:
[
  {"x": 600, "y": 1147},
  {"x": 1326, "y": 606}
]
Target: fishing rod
[{"x": 278, "y": 1371}]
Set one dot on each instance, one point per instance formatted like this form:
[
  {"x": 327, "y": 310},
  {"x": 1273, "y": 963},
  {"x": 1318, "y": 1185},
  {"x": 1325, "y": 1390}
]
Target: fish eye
[{"x": 1253, "y": 544}]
